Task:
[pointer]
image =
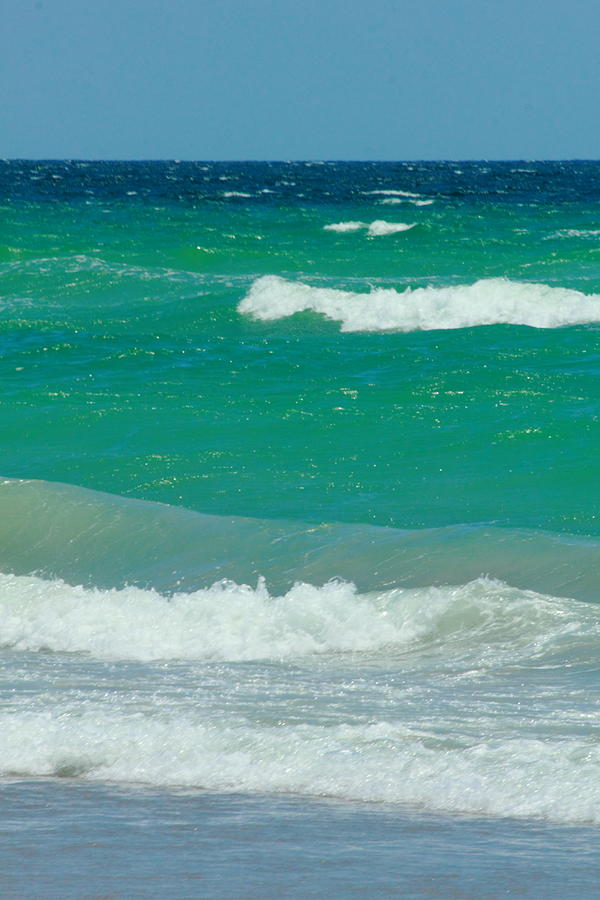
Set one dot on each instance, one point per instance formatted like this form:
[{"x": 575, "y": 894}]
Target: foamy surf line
[
  {"x": 484, "y": 620},
  {"x": 372, "y": 761},
  {"x": 490, "y": 301}
]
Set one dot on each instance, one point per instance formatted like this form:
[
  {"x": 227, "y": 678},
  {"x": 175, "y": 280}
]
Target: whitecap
[
  {"x": 343, "y": 227},
  {"x": 374, "y": 229},
  {"x": 379, "y": 227},
  {"x": 393, "y": 193},
  {"x": 486, "y": 302},
  {"x": 396, "y": 201},
  {"x": 482, "y": 620}
]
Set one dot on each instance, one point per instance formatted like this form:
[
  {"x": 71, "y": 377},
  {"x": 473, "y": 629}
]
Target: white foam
[
  {"x": 395, "y": 201},
  {"x": 380, "y": 227},
  {"x": 205, "y": 732},
  {"x": 345, "y": 226},
  {"x": 374, "y": 761},
  {"x": 393, "y": 193},
  {"x": 236, "y": 622},
  {"x": 236, "y": 194},
  {"x": 486, "y": 302},
  {"x": 374, "y": 229},
  {"x": 226, "y": 621}
]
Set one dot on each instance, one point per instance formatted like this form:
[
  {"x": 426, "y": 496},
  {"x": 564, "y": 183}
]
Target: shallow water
[{"x": 102, "y": 841}]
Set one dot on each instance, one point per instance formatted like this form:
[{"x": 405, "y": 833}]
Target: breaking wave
[
  {"x": 486, "y": 302},
  {"x": 484, "y": 621},
  {"x": 375, "y": 229},
  {"x": 409, "y": 692}
]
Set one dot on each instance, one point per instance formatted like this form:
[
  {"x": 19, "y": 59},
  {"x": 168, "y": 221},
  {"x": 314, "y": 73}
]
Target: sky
[{"x": 299, "y": 79}]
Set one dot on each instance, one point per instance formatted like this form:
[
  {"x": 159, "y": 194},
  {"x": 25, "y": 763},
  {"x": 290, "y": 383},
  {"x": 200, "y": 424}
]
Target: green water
[{"x": 126, "y": 366}]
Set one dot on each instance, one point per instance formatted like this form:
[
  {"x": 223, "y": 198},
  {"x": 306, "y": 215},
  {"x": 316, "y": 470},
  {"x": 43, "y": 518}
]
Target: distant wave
[
  {"x": 342, "y": 227},
  {"x": 380, "y": 227},
  {"x": 486, "y": 302},
  {"x": 374, "y": 229},
  {"x": 394, "y": 201},
  {"x": 393, "y": 193}
]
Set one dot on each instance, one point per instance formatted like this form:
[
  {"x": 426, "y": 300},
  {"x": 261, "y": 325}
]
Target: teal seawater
[
  {"x": 126, "y": 366},
  {"x": 299, "y": 527}
]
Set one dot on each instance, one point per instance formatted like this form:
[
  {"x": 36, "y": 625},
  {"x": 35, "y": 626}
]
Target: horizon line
[{"x": 291, "y": 161}]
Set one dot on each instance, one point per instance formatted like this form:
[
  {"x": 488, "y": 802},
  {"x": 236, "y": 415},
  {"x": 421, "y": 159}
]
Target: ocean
[{"x": 299, "y": 529}]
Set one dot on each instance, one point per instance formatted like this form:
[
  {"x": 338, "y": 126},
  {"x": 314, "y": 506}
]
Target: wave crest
[
  {"x": 375, "y": 229},
  {"x": 489, "y": 301},
  {"x": 482, "y": 621}
]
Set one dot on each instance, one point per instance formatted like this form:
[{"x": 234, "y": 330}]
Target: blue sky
[{"x": 317, "y": 79}]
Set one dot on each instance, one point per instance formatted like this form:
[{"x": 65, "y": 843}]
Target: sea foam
[
  {"x": 380, "y": 227},
  {"x": 208, "y": 734},
  {"x": 483, "y": 621},
  {"x": 486, "y": 302},
  {"x": 395, "y": 201},
  {"x": 342, "y": 227},
  {"x": 373, "y": 761},
  {"x": 374, "y": 229}
]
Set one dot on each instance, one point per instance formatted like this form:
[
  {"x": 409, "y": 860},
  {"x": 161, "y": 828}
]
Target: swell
[
  {"x": 105, "y": 541},
  {"x": 45, "y": 284}
]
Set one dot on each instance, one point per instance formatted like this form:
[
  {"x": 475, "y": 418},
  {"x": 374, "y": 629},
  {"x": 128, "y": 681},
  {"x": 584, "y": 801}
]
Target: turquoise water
[
  {"x": 121, "y": 317},
  {"x": 300, "y": 500}
]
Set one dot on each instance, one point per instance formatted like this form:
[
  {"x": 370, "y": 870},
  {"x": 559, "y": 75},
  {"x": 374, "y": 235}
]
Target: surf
[{"x": 489, "y": 301}]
